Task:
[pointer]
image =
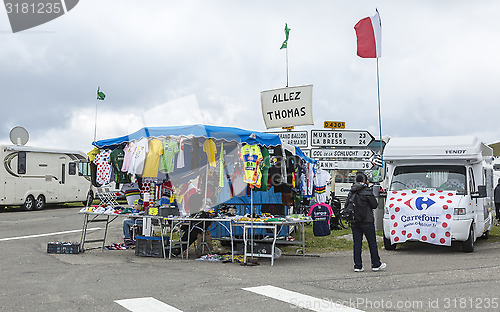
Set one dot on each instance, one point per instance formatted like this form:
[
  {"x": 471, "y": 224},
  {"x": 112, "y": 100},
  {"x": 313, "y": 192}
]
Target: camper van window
[
  {"x": 83, "y": 169},
  {"x": 21, "y": 162},
  {"x": 429, "y": 177},
  {"x": 472, "y": 182},
  {"x": 72, "y": 169}
]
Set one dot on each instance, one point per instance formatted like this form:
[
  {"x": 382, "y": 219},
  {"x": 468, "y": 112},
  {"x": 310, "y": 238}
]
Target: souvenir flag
[
  {"x": 100, "y": 95},
  {"x": 285, "y": 43},
  {"x": 369, "y": 35}
]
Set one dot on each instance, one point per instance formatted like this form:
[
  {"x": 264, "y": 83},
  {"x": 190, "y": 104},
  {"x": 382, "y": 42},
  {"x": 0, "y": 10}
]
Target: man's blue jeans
[
  {"x": 127, "y": 224},
  {"x": 368, "y": 229}
]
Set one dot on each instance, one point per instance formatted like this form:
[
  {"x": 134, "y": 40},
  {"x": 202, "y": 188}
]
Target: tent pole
[
  {"x": 251, "y": 221},
  {"x": 206, "y": 186}
]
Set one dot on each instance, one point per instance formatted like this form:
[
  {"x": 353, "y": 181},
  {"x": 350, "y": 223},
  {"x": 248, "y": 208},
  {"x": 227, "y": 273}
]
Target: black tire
[
  {"x": 468, "y": 245},
  {"x": 344, "y": 224},
  {"x": 388, "y": 245},
  {"x": 89, "y": 200},
  {"x": 486, "y": 235},
  {"x": 29, "y": 203},
  {"x": 40, "y": 202}
]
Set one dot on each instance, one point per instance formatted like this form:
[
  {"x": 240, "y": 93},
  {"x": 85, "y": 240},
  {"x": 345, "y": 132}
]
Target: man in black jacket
[{"x": 363, "y": 223}]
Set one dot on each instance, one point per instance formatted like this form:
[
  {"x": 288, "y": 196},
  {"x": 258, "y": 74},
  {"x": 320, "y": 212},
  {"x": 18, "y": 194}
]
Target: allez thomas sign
[{"x": 287, "y": 107}]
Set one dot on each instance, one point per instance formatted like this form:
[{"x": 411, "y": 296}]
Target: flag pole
[
  {"x": 287, "y": 65},
  {"x": 95, "y": 120},
  {"x": 379, "y": 115}
]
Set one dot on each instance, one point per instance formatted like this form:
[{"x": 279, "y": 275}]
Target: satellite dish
[{"x": 19, "y": 135}]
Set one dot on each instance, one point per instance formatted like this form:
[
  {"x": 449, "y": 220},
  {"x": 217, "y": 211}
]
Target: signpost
[
  {"x": 341, "y": 153},
  {"x": 297, "y": 138},
  {"x": 345, "y": 164},
  {"x": 334, "y": 124},
  {"x": 341, "y": 138}
]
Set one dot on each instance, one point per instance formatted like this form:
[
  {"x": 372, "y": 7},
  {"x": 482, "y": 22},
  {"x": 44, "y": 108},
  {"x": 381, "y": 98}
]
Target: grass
[{"x": 336, "y": 241}]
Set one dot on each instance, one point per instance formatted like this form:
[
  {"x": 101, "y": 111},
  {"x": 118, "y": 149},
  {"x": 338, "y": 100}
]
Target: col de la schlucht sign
[
  {"x": 287, "y": 107},
  {"x": 26, "y": 14}
]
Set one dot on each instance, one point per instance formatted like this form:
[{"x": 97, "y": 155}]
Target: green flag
[
  {"x": 100, "y": 95},
  {"x": 285, "y": 43}
]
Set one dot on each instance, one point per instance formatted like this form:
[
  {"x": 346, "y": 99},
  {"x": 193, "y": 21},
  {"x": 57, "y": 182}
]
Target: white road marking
[
  {"x": 147, "y": 304},
  {"x": 46, "y": 234},
  {"x": 296, "y": 299}
]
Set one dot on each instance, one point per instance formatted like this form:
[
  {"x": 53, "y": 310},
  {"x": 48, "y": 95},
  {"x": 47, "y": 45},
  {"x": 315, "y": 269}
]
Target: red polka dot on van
[
  {"x": 447, "y": 234},
  {"x": 433, "y": 235},
  {"x": 445, "y": 225},
  {"x": 442, "y": 240},
  {"x": 397, "y": 209},
  {"x": 448, "y": 216}
]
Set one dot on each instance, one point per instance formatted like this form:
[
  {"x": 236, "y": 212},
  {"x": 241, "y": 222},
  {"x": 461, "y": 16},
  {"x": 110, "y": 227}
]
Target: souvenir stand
[{"x": 182, "y": 171}]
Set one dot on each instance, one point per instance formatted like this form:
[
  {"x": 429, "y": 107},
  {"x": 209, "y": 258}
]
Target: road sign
[
  {"x": 334, "y": 124},
  {"x": 345, "y": 164},
  {"x": 341, "y": 153},
  {"x": 297, "y": 138},
  {"x": 348, "y": 138}
]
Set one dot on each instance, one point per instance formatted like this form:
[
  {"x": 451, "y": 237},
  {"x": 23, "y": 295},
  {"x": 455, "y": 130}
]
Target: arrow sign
[
  {"x": 341, "y": 153},
  {"x": 345, "y": 164},
  {"x": 348, "y": 138}
]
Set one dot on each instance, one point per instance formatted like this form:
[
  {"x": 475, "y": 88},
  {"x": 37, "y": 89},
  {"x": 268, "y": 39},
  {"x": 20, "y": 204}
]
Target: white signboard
[
  {"x": 297, "y": 138},
  {"x": 341, "y": 153},
  {"x": 331, "y": 138},
  {"x": 287, "y": 107},
  {"x": 345, "y": 164}
]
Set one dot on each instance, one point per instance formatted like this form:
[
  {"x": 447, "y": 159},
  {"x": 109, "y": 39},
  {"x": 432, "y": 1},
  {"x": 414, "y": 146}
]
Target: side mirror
[{"x": 481, "y": 192}]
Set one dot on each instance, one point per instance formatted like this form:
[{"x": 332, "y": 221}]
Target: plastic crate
[
  {"x": 149, "y": 246},
  {"x": 63, "y": 248}
]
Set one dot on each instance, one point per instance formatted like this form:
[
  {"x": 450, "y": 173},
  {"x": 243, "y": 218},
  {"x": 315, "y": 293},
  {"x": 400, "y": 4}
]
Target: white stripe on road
[
  {"x": 47, "y": 234},
  {"x": 147, "y": 304},
  {"x": 299, "y": 300}
]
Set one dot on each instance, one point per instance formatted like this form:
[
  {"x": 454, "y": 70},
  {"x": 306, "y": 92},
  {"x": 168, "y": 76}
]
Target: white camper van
[
  {"x": 439, "y": 189},
  {"x": 32, "y": 177}
]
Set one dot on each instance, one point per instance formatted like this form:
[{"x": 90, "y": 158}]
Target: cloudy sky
[{"x": 163, "y": 62}]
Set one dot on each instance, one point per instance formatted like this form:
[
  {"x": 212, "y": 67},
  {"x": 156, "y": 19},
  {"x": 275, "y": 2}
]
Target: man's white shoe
[
  {"x": 359, "y": 270},
  {"x": 381, "y": 267}
]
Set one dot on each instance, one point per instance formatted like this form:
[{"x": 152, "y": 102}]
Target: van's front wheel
[
  {"x": 388, "y": 245},
  {"x": 468, "y": 245}
]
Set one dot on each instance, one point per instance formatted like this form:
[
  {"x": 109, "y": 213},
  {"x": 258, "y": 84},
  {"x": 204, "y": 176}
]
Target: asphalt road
[{"x": 419, "y": 277}]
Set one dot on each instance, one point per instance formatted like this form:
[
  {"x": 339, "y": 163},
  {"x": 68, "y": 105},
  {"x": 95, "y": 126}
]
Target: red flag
[{"x": 369, "y": 33}]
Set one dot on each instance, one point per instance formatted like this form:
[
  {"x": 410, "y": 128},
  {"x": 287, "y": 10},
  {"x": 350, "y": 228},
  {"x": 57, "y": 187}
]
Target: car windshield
[{"x": 429, "y": 177}]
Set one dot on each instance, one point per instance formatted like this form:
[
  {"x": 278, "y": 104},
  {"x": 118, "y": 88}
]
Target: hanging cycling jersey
[{"x": 252, "y": 156}]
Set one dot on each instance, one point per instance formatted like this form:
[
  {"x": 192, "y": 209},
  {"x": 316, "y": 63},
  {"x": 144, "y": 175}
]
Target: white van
[
  {"x": 458, "y": 168},
  {"x": 32, "y": 177}
]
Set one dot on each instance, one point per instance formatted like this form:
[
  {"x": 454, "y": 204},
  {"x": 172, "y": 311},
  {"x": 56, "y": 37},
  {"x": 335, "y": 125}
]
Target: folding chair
[{"x": 107, "y": 196}]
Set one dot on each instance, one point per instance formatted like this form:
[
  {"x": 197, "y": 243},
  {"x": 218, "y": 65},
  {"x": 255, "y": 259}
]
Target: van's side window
[
  {"x": 472, "y": 182},
  {"x": 21, "y": 162},
  {"x": 83, "y": 169},
  {"x": 72, "y": 169}
]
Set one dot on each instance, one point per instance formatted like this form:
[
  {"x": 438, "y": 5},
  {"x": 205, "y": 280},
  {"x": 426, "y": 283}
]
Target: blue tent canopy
[{"x": 213, "y": 132}]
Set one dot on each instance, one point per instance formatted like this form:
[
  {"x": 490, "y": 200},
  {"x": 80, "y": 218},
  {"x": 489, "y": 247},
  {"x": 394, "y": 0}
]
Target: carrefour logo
[
  {"x": 26, "y": 14},
  {"x": 419, "y": 203}
]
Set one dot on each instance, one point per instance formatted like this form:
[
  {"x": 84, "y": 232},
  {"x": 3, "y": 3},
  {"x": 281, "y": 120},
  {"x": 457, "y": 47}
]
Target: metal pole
[
  {"x": 379, "y": 115},
  {"x": 287, "y": 65},
  {"x": 95, "y": 120}
]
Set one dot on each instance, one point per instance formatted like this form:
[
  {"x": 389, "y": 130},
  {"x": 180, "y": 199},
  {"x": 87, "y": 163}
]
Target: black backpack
[{"x": 353, "y": 211}]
